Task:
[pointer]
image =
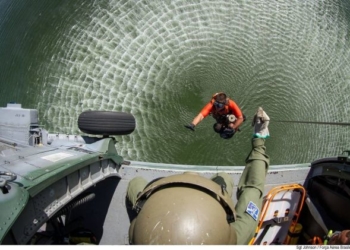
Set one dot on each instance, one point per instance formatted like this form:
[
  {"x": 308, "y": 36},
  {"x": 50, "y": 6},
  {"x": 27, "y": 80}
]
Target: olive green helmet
[{"x": 182, "y": 210}]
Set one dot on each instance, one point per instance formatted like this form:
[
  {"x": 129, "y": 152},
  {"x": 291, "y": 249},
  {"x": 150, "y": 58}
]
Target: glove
[
  {"x": 191, "y": 126},
  {"x": 261, "y": 122}
]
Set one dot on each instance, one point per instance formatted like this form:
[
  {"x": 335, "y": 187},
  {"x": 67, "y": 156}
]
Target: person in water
[
  {"x": 188, "y": 208},
  {"x": 225, "y": 111}
]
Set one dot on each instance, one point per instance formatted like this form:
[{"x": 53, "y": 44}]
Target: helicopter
[{"x": 70, "y": 189}]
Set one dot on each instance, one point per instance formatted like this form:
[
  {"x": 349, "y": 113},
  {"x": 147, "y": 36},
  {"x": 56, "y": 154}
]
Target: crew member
[
  {"x": 225, "y": 111},
  {"x": 336, "y": 238},
  {"x": 339, "y": 238},
  {"x": 190, "y": 209}
]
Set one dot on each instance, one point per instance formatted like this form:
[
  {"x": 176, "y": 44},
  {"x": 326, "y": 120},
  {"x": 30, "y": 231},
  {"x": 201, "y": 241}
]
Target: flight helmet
[{"x": 184, "y": 209}]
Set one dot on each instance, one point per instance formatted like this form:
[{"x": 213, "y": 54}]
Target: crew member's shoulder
[
  {"x": 232, "y": 102},
  {"x": 235, "y": 108}
]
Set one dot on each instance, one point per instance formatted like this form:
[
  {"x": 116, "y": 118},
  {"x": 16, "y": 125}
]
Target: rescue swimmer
[
  {"x": 190, "y": 209},
  {"x": 225, "y": 111}
]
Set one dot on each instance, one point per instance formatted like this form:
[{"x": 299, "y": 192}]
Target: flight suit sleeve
[
  {"x": 206, "y": 109},
  {"x": 135, "y": 186},
  {"x": 250, "y": 192},
  {"x": 235, "y": 109}
]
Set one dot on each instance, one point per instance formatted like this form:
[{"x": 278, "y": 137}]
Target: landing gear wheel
[{"x": 106, "y": 123}]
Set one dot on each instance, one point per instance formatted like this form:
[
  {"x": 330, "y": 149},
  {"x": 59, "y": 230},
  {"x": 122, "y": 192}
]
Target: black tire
[{"x": 106, "y": 123}]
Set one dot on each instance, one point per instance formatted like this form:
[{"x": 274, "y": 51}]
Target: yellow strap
[{"x": 325, "y": 242}]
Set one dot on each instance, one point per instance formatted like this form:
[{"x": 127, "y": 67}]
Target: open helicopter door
[{"x": 280, "y": 214}]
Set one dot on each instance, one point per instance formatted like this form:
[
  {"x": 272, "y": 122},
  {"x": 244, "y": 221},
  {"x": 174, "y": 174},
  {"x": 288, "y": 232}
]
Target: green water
[{"x": 162, "y": 61}]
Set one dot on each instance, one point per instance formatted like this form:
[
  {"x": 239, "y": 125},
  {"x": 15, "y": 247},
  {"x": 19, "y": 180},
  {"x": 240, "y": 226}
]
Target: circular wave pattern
[{"x": 162, "y": 61}]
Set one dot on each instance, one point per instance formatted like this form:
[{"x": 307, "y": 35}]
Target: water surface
[{"x": 162, "y": 61}]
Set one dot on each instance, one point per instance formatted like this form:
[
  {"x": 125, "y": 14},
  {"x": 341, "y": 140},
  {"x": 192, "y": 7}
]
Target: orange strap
[{"x": 316, "y": 241}]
